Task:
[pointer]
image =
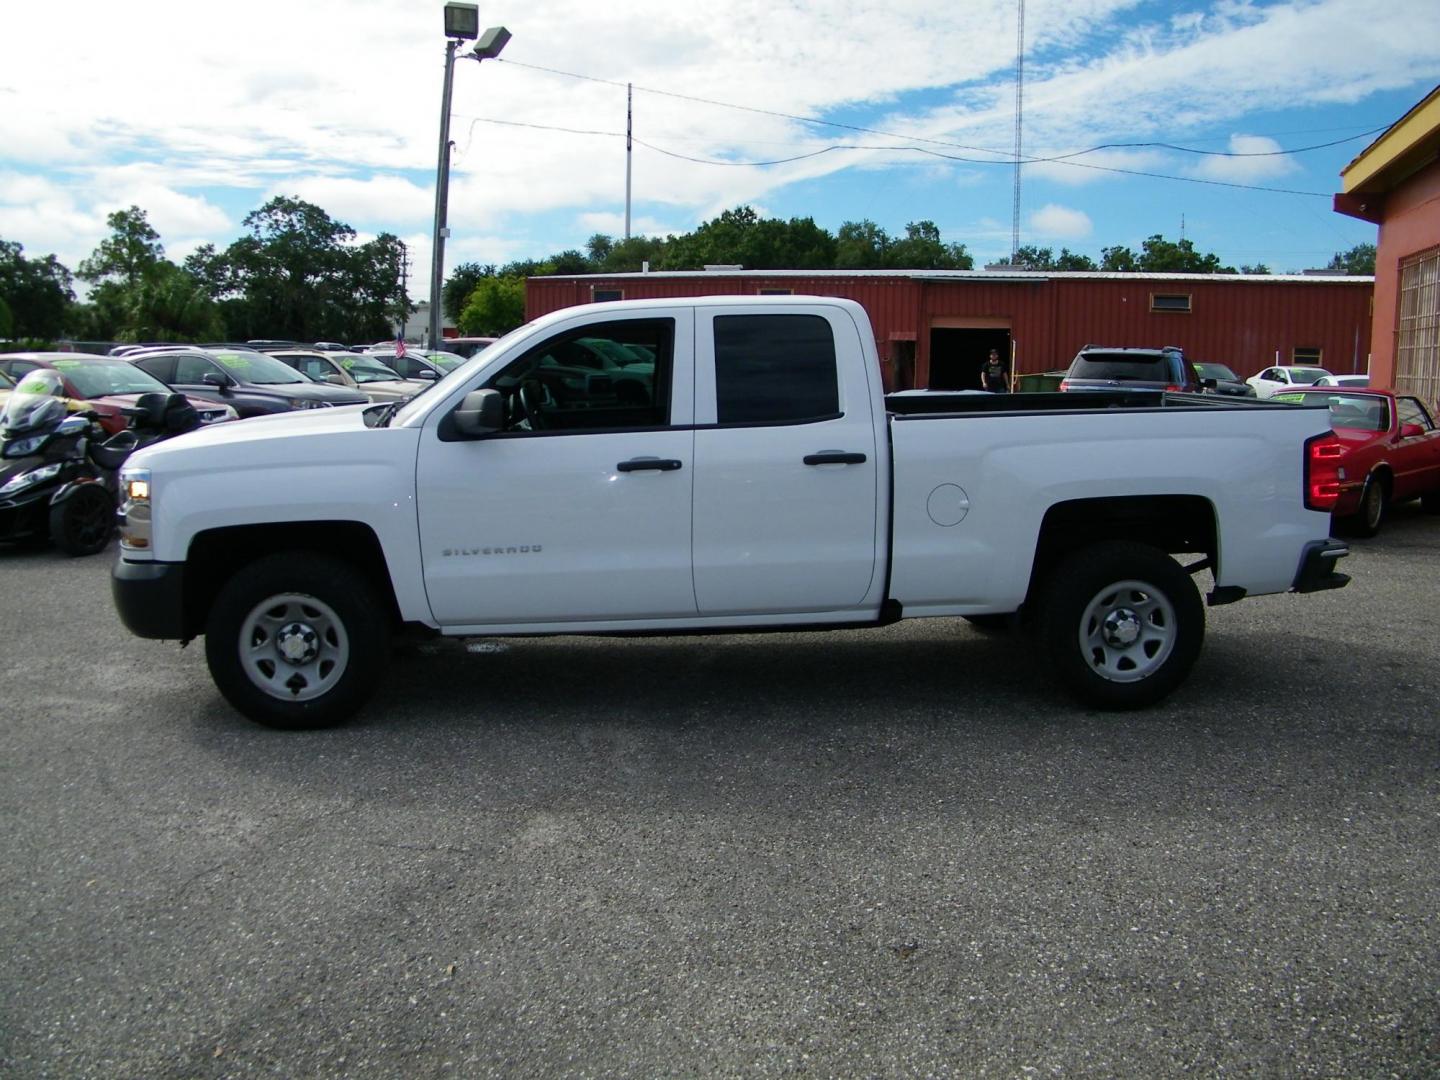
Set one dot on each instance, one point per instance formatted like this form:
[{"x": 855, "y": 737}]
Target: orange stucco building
[{"x": 1395, "y": 183}]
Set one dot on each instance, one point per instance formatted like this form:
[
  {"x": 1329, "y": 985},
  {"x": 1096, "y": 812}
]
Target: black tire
[
  {"x": 84, "y": 522},
  {"x": 1373, "y": 499},
  {"x": 317, "y": 606},
  {"x": 1101, "y": 595}
]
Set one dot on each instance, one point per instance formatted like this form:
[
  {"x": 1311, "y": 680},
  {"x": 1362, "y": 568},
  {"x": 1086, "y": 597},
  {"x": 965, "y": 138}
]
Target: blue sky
[{"x": 198, "y": 113}]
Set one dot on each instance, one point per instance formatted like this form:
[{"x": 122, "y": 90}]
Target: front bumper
[
  {"x": 1317, "y": 567},
  {"x": 150, "y": 597}
]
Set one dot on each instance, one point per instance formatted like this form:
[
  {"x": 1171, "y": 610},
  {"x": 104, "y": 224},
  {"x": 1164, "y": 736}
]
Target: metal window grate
[{"x": 1417, "y": 353}]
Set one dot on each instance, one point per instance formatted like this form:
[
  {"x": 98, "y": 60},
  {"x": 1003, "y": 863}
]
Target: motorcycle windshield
[{"x": 36, "y": 402}]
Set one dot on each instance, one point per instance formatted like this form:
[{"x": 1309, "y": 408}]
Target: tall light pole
[{"x": 462, "y": 23}]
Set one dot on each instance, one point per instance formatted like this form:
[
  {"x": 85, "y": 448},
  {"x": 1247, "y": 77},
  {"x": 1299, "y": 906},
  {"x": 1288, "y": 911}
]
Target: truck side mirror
[
  {"x": 480, "y": 413},
  {"x": 214, "y": 378}
]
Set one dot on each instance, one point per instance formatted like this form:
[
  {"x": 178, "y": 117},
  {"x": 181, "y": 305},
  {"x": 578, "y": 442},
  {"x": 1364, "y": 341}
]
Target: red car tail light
[
  {"x": 1323, "y": 454},
  {"x": 1064, "y": 384},
  {"x": 1173, "y": 389}
]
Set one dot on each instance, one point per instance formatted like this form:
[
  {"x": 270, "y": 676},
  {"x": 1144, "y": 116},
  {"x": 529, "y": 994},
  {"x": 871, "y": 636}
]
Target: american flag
[{"x": 399, "y": 345}]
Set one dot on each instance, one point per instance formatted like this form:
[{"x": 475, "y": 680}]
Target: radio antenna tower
[{"x": 1019, "y": 127}]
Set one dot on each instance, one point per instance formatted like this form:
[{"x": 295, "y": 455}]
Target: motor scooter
[{"x": 59, "y": 474}]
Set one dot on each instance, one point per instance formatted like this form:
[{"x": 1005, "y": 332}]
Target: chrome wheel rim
[
  {"x": 293, "y": 647},
  {"x": 1128, "y": 631}
]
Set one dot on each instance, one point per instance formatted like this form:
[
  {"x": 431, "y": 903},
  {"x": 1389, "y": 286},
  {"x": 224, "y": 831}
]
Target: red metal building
[{"x": 934, "y": 328}]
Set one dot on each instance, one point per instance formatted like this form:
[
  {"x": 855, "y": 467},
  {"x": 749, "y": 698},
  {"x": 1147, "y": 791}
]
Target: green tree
[
  {"x": 38, "y": 292},
  {"x": 495, "y": 307},
  {"x": 1159, "y": 255},
  {"x": 1359, "y": 260},
  {"x": 1258, "y": 268},
  {"x": 630, "y": 256},
  {"x": 1033, "y": 258},
  {"x": 169, "y": 304},
  {"x": 128, "y": 254},
  {"x": 1118, "y": 259},
  {"x": 455, "y": 293},
  {"x": 922, "y": 249},
  {"x": 1069, "y": 260},
  {"x": 298, "y": 274},
  {"x": 570, "y": 262},
  {"x": 861, "y": 245}
]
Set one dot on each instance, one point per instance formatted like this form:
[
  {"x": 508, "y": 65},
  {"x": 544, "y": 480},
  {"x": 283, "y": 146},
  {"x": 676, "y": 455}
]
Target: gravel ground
[{"x": 888, "y": 853}]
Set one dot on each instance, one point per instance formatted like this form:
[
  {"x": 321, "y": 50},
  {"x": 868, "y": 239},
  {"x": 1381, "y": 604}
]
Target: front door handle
[
  {"x": 834, "y": 457},
  {"x": 648, "y": 464}
]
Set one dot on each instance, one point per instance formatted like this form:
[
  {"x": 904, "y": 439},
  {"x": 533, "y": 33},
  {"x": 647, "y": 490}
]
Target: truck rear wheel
[
  {"x": 297, "y": 640},
  {"x": 1122, "y": 624}
]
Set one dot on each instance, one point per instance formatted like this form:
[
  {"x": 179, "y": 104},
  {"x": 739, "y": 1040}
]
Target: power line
[
  {"x": 884, "y": 149},
  {"x": 1006, "y": 156}
]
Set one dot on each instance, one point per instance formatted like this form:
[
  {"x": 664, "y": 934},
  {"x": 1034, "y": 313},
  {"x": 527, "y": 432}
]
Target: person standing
[{"x": 994, "y": 376}]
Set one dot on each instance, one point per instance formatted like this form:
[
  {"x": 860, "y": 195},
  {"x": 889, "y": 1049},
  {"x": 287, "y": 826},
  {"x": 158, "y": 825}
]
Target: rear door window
[
  {"x": 1120, "y": 367},
  {"x": 775, "y": 369}
]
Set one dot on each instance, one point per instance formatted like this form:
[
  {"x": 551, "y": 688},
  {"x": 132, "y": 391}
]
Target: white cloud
[
  {"x": 1262, "y": 161},
  {"x": 1060, "y": 223}
]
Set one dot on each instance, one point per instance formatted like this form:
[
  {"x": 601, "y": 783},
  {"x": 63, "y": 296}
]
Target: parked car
[
  {"x": 356, "y": 371},
  {"x": 251, "y": 382},
  {"x": 1351, "y": 381},
  {"x": 1390, "y": 452},
  {"x": 107, "y": 385},
  {"x": 1226, "y": 381},
  {"x": 1097, "y": 368},
  {"x": 467, "y": 346},
  {"x": 1284, "y": 377},
  {"x": 424, "y": 364},
  {"x": 6, "y": 385}
]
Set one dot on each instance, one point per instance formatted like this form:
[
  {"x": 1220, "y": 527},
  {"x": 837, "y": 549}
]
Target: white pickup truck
[{"x": 763, "y": 480}]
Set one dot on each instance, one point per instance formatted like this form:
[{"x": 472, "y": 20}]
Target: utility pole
[
  {"x": 1019, "y": 127},
  {"x": 442, "y": 198},
  {"x": 404, "y": 306},
  {"x": 629, "y": 122}
]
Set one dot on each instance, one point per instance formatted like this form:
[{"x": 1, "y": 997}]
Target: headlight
[
  {"x": 134, "y": 515},
  {"x": 17, "y": 484},
  {"x": 22, "y": 447}
]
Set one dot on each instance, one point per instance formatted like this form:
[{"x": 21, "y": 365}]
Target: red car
[
  {"x": 104, "y": 384},
  {"x": 1391, "y": 451}
]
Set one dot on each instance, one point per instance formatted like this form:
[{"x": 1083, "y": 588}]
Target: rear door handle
[
  {"x": 648, "y": 464},
  {"x": 834, "y": 457}
]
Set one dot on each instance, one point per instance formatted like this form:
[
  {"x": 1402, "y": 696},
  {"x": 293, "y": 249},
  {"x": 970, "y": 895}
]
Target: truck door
[
  {"x": 580, "y": 509},
  {"x": 786, "y": 492}
]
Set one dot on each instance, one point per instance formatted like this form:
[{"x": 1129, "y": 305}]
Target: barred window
[{"x": 1417, "y": 353}]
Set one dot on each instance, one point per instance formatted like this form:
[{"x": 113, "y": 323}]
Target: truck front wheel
[
  {"x": 1122, "y": 624},
  {"x": 297, "y": 640}
]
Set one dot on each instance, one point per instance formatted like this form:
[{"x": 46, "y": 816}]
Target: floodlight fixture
[
  {"x": 462, "y": 21},
  {"x": 490, "y": 43}
]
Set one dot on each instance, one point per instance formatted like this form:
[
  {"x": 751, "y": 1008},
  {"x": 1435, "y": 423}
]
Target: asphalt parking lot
[{"x": 887, "y": 853}]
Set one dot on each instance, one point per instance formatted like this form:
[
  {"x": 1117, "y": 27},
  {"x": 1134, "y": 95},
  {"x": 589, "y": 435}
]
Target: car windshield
[
  {"x": 102, "y": 376},
  {"x": 1216, "y": 371},
  {"x": 257, "y": 367},
  {"x": 1120, "y": 367},
  {"x": 1357, "y": 412},
  {"x": 1304, "y": 376},
  {"x": 421, "y": 401},
  {"x": 445, "y": 361},
  {"x": 6, "y": 382},
  {"x": 366, "y": 369}
]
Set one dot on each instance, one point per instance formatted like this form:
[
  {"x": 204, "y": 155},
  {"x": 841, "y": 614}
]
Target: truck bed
[{"x": 940, "y": 403}]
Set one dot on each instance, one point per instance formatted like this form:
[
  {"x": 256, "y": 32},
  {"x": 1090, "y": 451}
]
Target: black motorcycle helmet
[{"x": 38, "y": 401}]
